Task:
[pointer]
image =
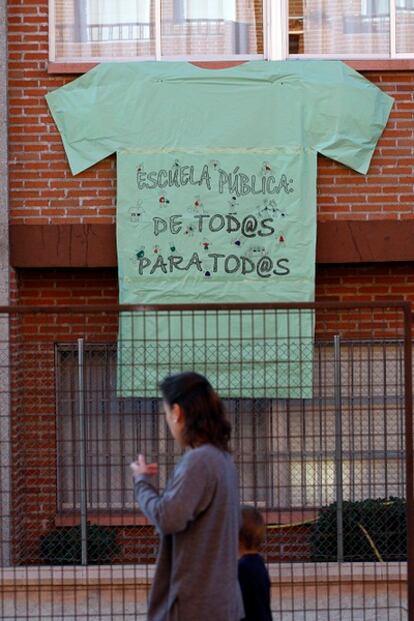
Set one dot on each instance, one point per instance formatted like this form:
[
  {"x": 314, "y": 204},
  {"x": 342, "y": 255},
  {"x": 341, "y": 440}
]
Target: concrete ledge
[
  {"x": 402, "y": 64},
  {"x": 305, "y": 573},
  {"x": 141, "y": 575}
]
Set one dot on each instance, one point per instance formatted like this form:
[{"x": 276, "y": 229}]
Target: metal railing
[
  {"x": 145, "y": 31},
  {"x": 322, "y": 439}
]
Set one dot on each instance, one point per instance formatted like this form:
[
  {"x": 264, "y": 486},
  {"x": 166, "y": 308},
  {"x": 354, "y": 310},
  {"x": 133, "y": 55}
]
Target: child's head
[
  {"x": 194, "y": 411},
  {"x": 252, "y": 529}
]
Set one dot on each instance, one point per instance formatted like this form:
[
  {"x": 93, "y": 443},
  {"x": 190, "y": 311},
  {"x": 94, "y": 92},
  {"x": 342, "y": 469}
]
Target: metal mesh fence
[{"x": 318, "y": 398}]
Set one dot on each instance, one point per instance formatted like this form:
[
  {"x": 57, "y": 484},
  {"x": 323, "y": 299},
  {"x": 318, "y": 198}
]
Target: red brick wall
[
  {"x": 33, "y": 376},
  {"x": 388, "y": 190},
  {"x": 363, "y": 283},
  {"x": 95, "y": 286},
  {"x": 34, "y": 416},
  {"x": 357, "y": 283},
  {"x": 44, "y": 191}
]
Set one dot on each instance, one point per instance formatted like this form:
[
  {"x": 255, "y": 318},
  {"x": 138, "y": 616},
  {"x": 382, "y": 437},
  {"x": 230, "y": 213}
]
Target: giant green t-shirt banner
[{"x": 216, "y": 174}]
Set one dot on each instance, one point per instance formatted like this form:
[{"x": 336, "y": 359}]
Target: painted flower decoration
[
  {"x": 208, "y": 268},
  {"x": 269, "y": 208},
  {"x": 256, "y": 251},
  {"x": 233, "y": 202},
  {"x": 135, "y": 214},
  {"x": 236, "y": 241}
]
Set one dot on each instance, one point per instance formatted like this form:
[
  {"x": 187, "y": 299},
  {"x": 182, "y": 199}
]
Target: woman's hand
[{"x": 141, "y": 467}]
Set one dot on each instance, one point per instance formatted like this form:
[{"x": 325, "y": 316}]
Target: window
[
  {"x": 85, "y": 30},
  {"x": 404, "y": 27},
  {"x": 115, "y": 21},
  {"x": 284, "y": 449},
  {"x": 312, "y": 482},
  {"x": 117, "y": 428},
  {"x": 348, "y": 29},
  {"x": 366, "y": 425},
  {"x": 405, "y": 5},
  {"x": 375, "y": 8},
  {"x": 96, "y": 30},
  {"x": 214, "y": 9}
]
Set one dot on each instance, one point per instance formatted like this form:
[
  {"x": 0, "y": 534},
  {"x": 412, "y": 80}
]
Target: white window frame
[
  {"x": 393, "y": 55},
  {"x": 276, "y": 40}
]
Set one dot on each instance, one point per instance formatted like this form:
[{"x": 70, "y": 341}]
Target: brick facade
[
  {"x": 34, "y": 415},
  {"x": 43, "y": 191},
  {"x": 365, "y": 283}
]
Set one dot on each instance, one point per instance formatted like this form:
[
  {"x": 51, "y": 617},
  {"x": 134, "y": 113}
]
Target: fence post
[
  {"x": 5, "y": 444},
  {"x": 338, "y": 450},
  {"x": 409, "y": 457},
  {"x": 82, "y": 452}
]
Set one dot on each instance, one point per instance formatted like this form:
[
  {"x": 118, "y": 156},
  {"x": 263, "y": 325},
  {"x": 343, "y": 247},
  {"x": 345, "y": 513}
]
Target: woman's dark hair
[
  {"x": 204, "y": 417},
  {"x": 253, "y": 529}
]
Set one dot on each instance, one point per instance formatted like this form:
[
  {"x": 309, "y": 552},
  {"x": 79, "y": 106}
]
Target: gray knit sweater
[{"x": 197, "y": 517}]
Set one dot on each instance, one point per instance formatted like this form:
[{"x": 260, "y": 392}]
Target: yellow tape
[
  {"x": 371, "y": 543},
  {"x": 280, "y": 526}
]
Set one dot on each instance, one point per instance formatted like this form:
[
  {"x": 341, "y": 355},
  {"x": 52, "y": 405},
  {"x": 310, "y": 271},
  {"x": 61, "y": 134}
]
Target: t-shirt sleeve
[
  {"x": 91, "y": 114},
  {"x": 348, "y": 113}
]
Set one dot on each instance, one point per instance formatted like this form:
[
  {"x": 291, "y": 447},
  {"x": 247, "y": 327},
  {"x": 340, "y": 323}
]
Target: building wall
[
  {"x": 36, "y": 447},
  {"x": 5, "y": 452},
  {"x": 43, "y": 191},
  {"x": 365, "y": 283}
]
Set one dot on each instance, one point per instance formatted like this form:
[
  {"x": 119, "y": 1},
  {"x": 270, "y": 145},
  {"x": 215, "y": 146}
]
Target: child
[
  {"x": 197, "y": 515},
  {"x": 253, "y": 576}
]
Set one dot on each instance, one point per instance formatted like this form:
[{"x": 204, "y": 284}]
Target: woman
[{"x": 197, "y": 515}]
